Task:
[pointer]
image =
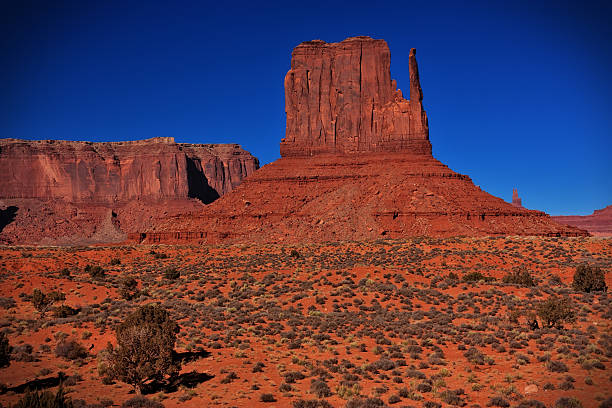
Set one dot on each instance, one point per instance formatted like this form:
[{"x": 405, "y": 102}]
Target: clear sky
[{"x": 518, "y": 93}]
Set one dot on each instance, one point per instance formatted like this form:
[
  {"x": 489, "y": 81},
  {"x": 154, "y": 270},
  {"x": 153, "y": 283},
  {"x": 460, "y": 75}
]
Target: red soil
[{"x": 355, "y": 302}]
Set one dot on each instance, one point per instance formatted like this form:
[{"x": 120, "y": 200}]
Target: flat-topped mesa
[
  {"x": 111, "y": 172},
  {"x": 340, "y": 98}
]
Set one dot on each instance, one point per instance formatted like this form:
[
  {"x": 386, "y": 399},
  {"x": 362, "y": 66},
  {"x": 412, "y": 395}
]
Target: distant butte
[
  {"x": 356, "y": 165},
  {"x": 516, "y": 200},
  {"x": 598, "y": 224},
  {"x": 64, "y": 192}
]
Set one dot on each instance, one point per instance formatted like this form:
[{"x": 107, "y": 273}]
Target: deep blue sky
[{"x": 518, "y": 95}]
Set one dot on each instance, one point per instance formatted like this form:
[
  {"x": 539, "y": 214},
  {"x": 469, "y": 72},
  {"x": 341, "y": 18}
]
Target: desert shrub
[
  {"x": 556, "y": 366},
  {"x": 311, "y": 404},
  {"x": 7, "y": 302},
  {"x": 64, "y": 311},
  {"x": 320, "y": 388},
  {"x": 141, "y": 402},
  {"x": 23, "y": 352},
  {"x": 394, "y": 399},
  {"x": 519, "y": 276},
  {"x": 258, "y": 367},
  {"x": 43, "y": 302},
  {"x": 365, "y": 403},
  {"x": 589, "y": 278},
  {"x": 44, "y": 399},
  {"x": 96, "y": 272},
  {"x": 606, "y": 403},
  {"x": 172, "y": 274},
  {"x": 555, "y": 311},
  {"x": 293, "y": 376},
  {"x": 423, "y": 387},
  {"x": 498, "y": 402},
  {"x": 267, "y": 397},
  {"x": 70, "y": 350},
  {"x": 115, "y": 261},
  {"x": 145, "y": 346},
  {"x": 229, "y": 378},
  {"x": 568, "y": 402},
  {"x": 294, "y": 254},
  {"x": 474, "y": 356},
  {"x": 5, "y": 350},
  {"x": 477, "y": 276},
  {"x": 452, "y": 397},
  {"x": 129, "y": 288}
]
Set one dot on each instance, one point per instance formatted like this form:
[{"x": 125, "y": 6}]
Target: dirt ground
[{"x": 405, "y": 321}]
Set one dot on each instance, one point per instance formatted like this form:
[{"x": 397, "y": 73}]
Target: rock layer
[
  {"x": 340, "y": 98},
  {"x": 598, "y": 224},
  {"x": 354, "y": 197},
  {"x": 516, "y": 200},
  {"x": 153, "y": 169},
  {"x": 66, "y": 191},
  {"x": 356, "y": 165}
]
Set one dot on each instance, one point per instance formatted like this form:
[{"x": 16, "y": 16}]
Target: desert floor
[{"x": 376, "y": 319}]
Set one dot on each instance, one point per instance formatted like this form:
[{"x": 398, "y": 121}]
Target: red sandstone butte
[
  {"x": 599, "y": 223},
  {"x": 516, "y": 200},
  {"x": 356, "y": 165},
  {"x": 340, "y": 98},
  {"x": 62, "y": 191}
]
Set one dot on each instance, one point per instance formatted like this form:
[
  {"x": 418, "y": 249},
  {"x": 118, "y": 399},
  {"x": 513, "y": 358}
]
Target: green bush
[
  {"x": 555, "y": 311},
  {"x": 519, "y": 276},
  {"x": 588, "y": 278},
  {"x": 96, "y": 272},
  {"x": 477, "y": 276},
  {"x": 145, "y": 347},
  {"x": 172, "y": 274},
  {"x": 64, "y": 311},
  {"x": 70, "y": 350},
  {"x": 43, "y": 302},
  {"x": 568, "y": 402},
  {"x": 141, "y": 402},
  {"x": 129, "y": 288}
]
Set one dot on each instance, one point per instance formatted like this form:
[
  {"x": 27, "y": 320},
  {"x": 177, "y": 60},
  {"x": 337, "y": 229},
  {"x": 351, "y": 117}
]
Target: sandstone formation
[
  {"x": 62, "y": 191},
  {"x": 516, "y": 200},
  {"x": 598, "y": 224},
  {"x": 356, "y": 165},
  {"x": 340, "y": 98}
]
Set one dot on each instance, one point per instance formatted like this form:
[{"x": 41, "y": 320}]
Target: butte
[{"x": 356, "y": 164}]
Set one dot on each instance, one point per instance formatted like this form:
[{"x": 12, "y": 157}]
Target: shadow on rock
[{"x": 7, "y": 216}]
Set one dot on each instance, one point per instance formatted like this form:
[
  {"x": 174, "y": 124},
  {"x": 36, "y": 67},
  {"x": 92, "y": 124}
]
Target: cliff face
[
  {"x": 68, "y": 189},
  {"x": 356, "y": 165},
  {"x": 154, "y": 169},
  {"x": 599, "y": 223},
  {"x": 339, "y": 98}
]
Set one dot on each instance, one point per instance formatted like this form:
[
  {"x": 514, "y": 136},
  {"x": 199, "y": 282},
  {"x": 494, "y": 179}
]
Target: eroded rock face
[
  {"x": 84, "y": 172},
  {"x": 353, "y": 197},
  {"x": 516, "y": 200},
  {"x": 356, "y": 165},
  {"x": 599, "y": 223},
  {"x": 65, "y": 191},
  {"x": 340, "y": 98}
]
